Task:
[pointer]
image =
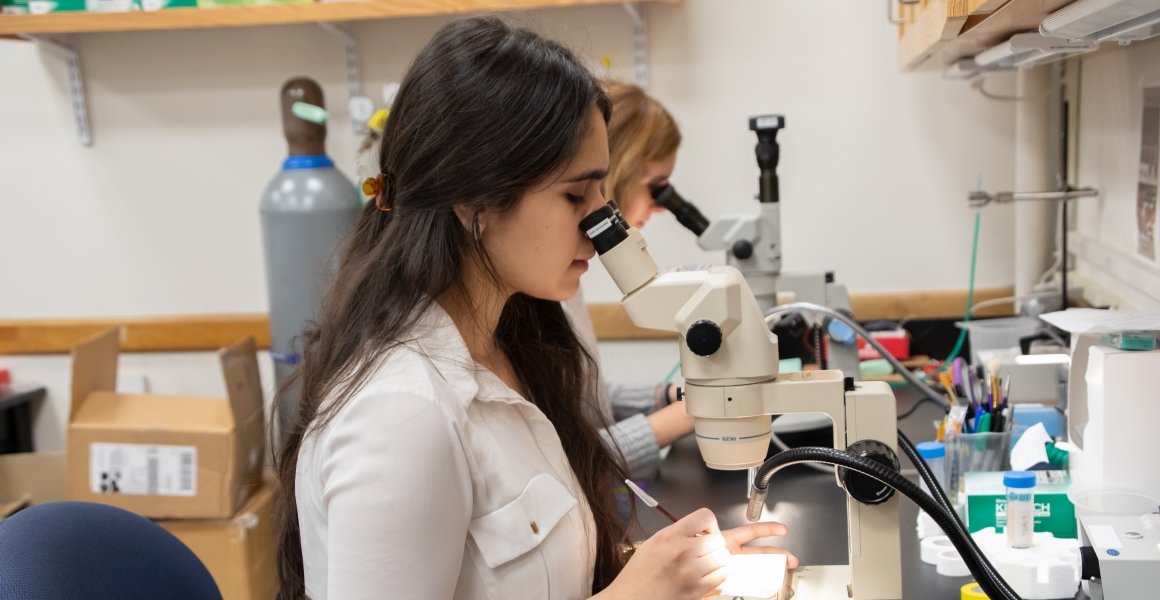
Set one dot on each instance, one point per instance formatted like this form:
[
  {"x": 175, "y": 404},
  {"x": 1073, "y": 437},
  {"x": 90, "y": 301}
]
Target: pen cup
[{"x": 966, "y": 452}]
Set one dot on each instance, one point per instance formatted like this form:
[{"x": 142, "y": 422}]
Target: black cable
[
  {"x": 992, "y": 584},
  {"x": 940, "y": 496},
  {"x": 918, "y": 403},
  {"x": 926, "y": 390}
]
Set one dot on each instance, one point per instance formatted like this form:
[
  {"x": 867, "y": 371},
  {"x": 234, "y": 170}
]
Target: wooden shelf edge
[
  {"x": 936, "y": 23},
  {"x": 139, "y": 334},
  {"x": 200, "y": 333},
  {"x": 273, "y": 14},
  {"x": 988, "y": 23}
]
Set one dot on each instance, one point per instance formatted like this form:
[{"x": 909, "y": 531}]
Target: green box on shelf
[
  {"x": 987, "y": 502},
  {"x": 13, "y": 7},
  {"x": 39, "y": 7}
]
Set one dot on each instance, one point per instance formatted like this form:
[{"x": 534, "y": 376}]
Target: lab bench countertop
[{"x": 807, "y": 500}]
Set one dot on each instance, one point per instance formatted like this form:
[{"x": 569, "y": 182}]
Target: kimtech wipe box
[
  {"x": 164, "y": 456},
  {"x": 987, "y": 503}
]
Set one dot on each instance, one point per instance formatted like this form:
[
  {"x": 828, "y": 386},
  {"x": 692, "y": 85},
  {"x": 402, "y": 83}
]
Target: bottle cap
[
  {"x": 1019, "y": 479},
  {"x": 930, "y": 450}
]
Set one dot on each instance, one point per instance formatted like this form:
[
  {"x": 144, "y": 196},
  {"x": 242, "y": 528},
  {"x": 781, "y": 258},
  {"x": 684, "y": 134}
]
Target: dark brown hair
[{"x": 486, "y": 112}]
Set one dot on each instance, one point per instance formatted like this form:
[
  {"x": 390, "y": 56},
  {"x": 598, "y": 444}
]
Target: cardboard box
[
  {"x": 31, "y": 478},
  {"x": 241, "y": 552},
  {"x": 164, "y": 456},
  {"x": 987, "y": 503}
]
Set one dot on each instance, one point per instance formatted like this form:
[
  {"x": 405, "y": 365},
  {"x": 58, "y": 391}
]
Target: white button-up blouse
[{"x": 436, "y": 481}]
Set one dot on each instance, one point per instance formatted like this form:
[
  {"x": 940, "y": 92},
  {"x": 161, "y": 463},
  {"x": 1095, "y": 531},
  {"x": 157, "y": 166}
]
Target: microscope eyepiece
[
  {"x": 685, "y": 212},
  {"x": 605, "y": 227}
]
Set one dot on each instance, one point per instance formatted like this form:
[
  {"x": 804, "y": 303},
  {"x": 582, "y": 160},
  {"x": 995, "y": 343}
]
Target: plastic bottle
[
  {"x": 306, "y": 210},
  {"x": 934, "y": 453},
  {"x": 1020, "y": 508}
]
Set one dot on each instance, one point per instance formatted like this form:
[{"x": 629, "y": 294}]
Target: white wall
[
  {"x": 160, "y": 215},
  {"x": 1110, "y": 112}
]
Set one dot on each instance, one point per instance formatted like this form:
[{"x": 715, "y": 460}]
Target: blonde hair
[{"x": 641, "y": 130}]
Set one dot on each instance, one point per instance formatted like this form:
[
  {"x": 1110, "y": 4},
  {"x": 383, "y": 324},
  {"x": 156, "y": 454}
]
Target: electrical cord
[
  {"x": 941, "y": 498},
  {"x": 926, "y": 390},
  {"x": 993, "y": 585},
  {"x": 912, "y": 409},
  {"x": 1008, "y": 299},
  {"x": 781, "y": 445}
]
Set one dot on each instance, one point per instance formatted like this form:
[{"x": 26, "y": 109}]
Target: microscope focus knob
[
  {"x": 742, "y": 249},
  {"x": 703, "y": 338},
  {"x": 863, "y": 488}
]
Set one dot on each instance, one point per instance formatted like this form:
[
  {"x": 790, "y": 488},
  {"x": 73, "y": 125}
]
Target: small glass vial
[
  {"x": 1020, "y": 508},
  {"x": 934, "y": 453}
]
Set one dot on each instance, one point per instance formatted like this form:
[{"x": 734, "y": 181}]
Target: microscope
[
  {"x": 729, "y": 361},
  {"x": 752, "y": 244}
]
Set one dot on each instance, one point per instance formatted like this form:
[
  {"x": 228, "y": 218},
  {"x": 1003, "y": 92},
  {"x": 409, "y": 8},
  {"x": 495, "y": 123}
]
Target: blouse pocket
[{"x": 508, "y": 539}]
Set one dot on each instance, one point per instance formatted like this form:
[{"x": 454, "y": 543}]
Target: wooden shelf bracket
[{"x": 65, "y": 47}]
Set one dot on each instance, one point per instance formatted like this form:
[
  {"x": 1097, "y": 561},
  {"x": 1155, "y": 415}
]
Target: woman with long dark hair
[{"x": 443, "y": 446}]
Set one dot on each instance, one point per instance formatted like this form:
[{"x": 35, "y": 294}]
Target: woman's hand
[
  {"x": 681, "y": 561},
  {"x": 738, "y": 536}
]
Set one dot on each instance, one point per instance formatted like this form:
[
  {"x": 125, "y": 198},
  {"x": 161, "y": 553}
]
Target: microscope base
[{"x": 824, "y": 582}]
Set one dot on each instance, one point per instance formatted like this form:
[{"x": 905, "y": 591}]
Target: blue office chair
[{"x": 80, "y": 550}]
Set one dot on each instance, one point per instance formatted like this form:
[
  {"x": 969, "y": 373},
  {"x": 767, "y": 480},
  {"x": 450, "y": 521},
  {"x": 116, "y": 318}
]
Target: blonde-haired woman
[{"x": 643, "y": 139}]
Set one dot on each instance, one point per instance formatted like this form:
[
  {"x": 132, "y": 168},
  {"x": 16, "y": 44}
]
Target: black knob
[
  {"x": 1089, "y": 564},
  {"x": 703, "y": 338},
  {"x": 742, "y": 249},
  {"x": 863, "y": 488}
]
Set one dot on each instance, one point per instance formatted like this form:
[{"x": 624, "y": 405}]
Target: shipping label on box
[
  {"x": 987, "y": 503},
  {"x": 162, "y": 469}
]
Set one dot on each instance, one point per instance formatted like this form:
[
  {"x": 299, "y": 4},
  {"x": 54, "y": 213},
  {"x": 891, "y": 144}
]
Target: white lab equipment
[
  {"x": 1049, "y": 569},
  {"x": 1113, "y": 421},
  {"x": 1119, "y": 556},
  {"x": 729, "y": 362}
]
